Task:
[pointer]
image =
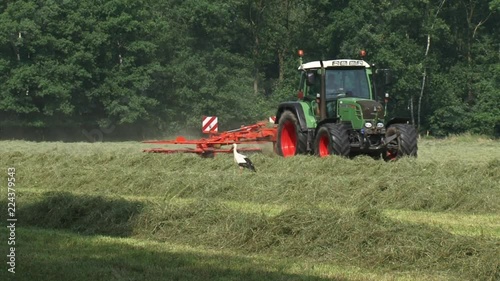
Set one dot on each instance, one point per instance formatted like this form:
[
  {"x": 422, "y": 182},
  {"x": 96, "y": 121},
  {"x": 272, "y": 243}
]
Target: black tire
[
  {"x": 404, "y": 145},
  {"x": 332, "y": 139},
  {"x": 291, "y": 141}
]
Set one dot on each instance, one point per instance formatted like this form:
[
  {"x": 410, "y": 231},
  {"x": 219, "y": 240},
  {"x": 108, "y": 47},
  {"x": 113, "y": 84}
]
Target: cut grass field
[{"x": 107, "y": 211}]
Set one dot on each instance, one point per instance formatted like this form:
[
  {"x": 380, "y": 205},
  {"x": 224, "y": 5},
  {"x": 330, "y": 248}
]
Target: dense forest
[{"x": 160, "y": 65}]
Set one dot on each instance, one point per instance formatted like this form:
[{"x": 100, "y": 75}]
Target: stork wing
[{"x": 250, "y": 164}]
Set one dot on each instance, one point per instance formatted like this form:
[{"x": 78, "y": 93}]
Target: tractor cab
[{"x": 340, "y": 82}]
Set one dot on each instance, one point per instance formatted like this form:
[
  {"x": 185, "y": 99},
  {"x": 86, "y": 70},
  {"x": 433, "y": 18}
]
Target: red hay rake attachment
[{"x": 208, "y": 147}]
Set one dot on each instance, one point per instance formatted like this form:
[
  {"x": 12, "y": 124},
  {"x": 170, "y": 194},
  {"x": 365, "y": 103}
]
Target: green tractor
[{"x": 337, "y": 114}]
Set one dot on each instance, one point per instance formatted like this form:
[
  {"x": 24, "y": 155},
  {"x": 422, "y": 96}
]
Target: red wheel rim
[
  {"x": 324, "y": 141},
  {"x": 391, "y": 155},
  {"x": 288, "y": 139}
]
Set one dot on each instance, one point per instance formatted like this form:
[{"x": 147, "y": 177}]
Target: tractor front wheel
[
  {"x": 332, "y": 139},
  {"x": 291, "y": 141},
  {"x": 405, "y": 144}
]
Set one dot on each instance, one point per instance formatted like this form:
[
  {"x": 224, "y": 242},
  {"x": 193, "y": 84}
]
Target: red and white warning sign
[
  {"x": 209, "y": 124},
  {"x": 272, "y": 119}
]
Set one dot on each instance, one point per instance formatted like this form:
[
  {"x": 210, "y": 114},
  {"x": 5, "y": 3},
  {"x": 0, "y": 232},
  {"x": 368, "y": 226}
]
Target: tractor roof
[{"x": 334, "y": 63}]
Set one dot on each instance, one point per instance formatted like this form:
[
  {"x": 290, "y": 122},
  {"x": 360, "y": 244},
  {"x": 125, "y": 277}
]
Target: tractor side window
[
  {"x": 302, "y": 83},
  {"x": 313, "y": 83}
]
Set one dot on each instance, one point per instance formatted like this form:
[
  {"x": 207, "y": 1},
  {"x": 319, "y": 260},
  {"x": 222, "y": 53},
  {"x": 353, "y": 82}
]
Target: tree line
[{"x": 164, "y": 64}]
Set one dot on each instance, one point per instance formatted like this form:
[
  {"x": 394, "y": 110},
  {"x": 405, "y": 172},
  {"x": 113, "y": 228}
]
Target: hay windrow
[{"x": 362, "y": 237}]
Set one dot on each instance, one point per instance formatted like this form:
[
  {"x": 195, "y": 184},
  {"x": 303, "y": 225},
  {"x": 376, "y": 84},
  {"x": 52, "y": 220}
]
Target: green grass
[{"x": 107, "y": 211}]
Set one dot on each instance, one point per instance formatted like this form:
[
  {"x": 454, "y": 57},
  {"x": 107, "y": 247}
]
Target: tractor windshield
[{"x": 347, "y": 82}]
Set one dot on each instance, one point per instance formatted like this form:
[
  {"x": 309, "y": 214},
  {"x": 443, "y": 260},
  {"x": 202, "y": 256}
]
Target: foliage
[{"x": 164, "y": 64}]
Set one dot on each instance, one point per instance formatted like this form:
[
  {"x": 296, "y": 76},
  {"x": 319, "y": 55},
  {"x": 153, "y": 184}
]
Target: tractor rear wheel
[
  {"x": 291, "y": 141},
  {"x": 332, "y": 139},
  {"x": 404, "y": 145}
]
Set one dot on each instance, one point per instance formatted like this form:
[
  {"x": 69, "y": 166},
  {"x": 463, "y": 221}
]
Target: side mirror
[
  {"x": 310, "y": 78},
  {"x": 386, "y": 76}
]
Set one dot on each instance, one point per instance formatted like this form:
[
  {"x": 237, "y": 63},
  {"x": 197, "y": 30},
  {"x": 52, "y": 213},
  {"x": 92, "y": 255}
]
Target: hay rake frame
[{"x": 209, "y": 147}]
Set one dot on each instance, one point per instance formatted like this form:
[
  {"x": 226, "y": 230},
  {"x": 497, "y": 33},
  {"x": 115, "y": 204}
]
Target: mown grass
[
  {"x": 62, "y": 255},
  {"x": 432, "y": 218}
]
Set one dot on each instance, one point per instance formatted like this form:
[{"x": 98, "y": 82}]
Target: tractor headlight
[
  {"x": 368, "y": 125},
  {"x": 380, "y": 125}
]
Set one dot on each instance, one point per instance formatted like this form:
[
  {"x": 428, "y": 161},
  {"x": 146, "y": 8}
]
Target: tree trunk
[
  {"x": 256, "y": 82},
  {"x": 281, "y": 60},
  {"x": 256, "y": 66},
  {"x": 471, "y": 34},
  {"x": 412, "y": 111},
  {"x": 424, "y": 74}
]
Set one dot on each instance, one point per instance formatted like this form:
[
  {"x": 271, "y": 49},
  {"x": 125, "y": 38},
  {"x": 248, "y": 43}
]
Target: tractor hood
[
  {"x": 371, "y": 109},
  {"x": 368, "y": 109},
  {"x": 359, "y": 111}
]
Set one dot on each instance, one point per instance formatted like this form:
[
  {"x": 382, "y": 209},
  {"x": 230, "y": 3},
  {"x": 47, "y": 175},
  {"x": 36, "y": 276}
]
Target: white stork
[{"x": 242, "y": 160}]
